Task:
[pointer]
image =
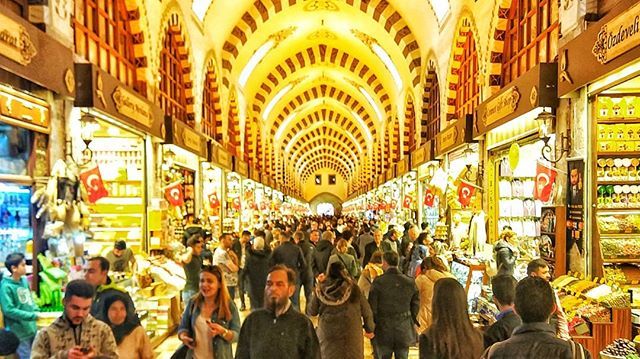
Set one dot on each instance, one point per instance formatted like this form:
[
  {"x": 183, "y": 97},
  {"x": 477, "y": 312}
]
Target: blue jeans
[{"x": 24, "y": 349}]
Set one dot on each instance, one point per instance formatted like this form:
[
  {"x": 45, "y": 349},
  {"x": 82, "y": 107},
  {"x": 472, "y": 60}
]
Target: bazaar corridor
[{"x": 450, "y": 179}]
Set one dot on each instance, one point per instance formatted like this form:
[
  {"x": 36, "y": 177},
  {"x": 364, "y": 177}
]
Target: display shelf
[
  {"x": 620, "y": 260},
  {"x": 114, "y": 229},
  {"x": 548, "y": 233},
  {"x": 618, "y": 154},
  {"x": 614, "y": 120},
  {"x": 616, "y": 210},
  {"x": 621, "y": 182}
]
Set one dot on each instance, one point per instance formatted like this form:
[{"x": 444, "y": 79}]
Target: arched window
[
  {"x": 531, "y": 37},
  {"x": 409, "y": 128},
  {"x": 431, "y": 108},
  {"x": 103, "y": 36},
  {"x": 468, "y": 88},
  {"x": 211, "y": 110},
  {"x": 175, "y": 86}
]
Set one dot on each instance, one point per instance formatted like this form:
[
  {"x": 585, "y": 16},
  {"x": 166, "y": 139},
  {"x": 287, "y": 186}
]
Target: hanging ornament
[
  {"x": 406, "y": 202},
  {"x": 429, "y": 198},
  {"x": 236, "y": 204},
  {"x": 214, "y": 202},
  {"x": 92, "y": 181}
]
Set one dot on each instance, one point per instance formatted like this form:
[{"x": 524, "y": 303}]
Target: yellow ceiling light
[
  {"x": 384, "y": 57},
  {"x": 440, "y": 8},
  {"x": 200, "y": 8},
  {"x": 371, "y": 102},
  {"x": 275, "y": 100},
  {"x": 254, "y": 60}
]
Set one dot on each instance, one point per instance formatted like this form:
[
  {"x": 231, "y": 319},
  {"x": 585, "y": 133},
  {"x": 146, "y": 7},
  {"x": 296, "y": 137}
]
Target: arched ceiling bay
[{"x": 321, "y": 78}]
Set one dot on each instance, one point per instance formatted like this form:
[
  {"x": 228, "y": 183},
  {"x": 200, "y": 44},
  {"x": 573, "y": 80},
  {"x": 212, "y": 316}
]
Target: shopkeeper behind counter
[{"x": 121, "y": 258}]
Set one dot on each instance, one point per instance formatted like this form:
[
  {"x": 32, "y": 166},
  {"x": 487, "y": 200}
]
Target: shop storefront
[
  {"x": 454, "y": 182},
  {"x": 212, "y": 190},
  {"x": 182, "y": 154},
  {"x": 35, "y": 70},
  {"x": 408, "y": 209},
  {"x": 230, "y": 188},
  {"x": 241, "y": 193},
  {"x": 427, "y": 201},
  {"x": 600, "y": 72},
  {"x": 113, "y": 130},
  {"x": 521, "y": 175}
]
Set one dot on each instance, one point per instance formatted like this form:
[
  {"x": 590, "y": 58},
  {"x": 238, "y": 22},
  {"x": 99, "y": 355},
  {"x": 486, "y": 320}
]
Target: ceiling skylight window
[
  {"x": 254, "y": 61},
  {"x": 200, "y": 8},
  {"x": 384, "y": 57},
  {"x": 372, "y": 103},
  {"x": 362, "y": 124},
  {"x": 284, "y": 124},
  {"x": 275, "y": 100},
  {"x": 440, "y": 8}
]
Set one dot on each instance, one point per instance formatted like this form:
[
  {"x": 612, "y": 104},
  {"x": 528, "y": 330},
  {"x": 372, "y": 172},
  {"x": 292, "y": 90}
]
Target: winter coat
[
  {"x": 395, "y": 303},
  {"x": 501, "y": 330},
  {"x": 425, "y": 283},
  {"x": 532, "y": 341},
  {"x": 291, "y": 256},
  {"x": 106, "y": 291},
  {"x": 256, "y": 268},
  {"x": 342, "y": 309},
  {"x": 321, "y": 257},
  {"x": 418, "y": 253},
  {"x": 55, "y": 340},
  {"x": 349, "y": 262},
  {"x": 18, "y": 307},
  {"x": 369, "y": 274},
  {"x": 221, "y": 347},
  {"x": 307, "y": 250}
]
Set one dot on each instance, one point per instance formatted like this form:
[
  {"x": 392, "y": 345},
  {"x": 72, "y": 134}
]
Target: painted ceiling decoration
[{"x": 322, "y": 83}]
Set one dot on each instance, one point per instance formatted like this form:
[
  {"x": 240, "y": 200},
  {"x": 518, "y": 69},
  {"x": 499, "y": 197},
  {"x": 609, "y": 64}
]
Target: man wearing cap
[{"x": 121, "y": 258}]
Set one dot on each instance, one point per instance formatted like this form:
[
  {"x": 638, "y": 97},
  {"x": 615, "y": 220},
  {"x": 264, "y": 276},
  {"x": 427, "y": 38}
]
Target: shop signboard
[
  {"x": 99, "y": 90},
  {"x": 454, "y": 136},
  {"x": 390, "y": 173},
  {"x": 24, "y": 110},
  {"x": 421, "y": 155},
  {"x": 30, "y": 53},
  {"x": 254, "y": 174},
  {"x": 605, "y": 46},
  {"x": 240, "y": 167},
  {"x": 402, "y": 167},
  {"x": 381, "y": 179},
  {"x": 221, "y": 157},
  {"x": 180, "y": 134},
  {"x": 535, "y": 88}
]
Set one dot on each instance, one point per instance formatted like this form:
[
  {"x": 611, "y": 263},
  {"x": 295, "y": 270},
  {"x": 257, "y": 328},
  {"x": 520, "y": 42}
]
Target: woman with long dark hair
[
  {"x": 343, "y": 310},
  {"x": 451, "y": 335},
  {"x": 210, "y": 322}
]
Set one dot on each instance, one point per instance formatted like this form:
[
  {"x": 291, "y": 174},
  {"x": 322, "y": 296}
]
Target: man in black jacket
[
  {"x": 372, "y": 247},
  {"x": 504, "y": 292},
  {"x": 239, "y": 247},
  {"x": 291, "y": 256},
  {"x": 535, "y": 338},
  {"x": 395, "y": 303},
  {"x": 307, "y": 250},
  {"x": 322, "y": 253}
]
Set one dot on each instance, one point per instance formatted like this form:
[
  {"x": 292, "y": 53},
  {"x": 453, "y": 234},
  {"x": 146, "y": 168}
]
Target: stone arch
[
  {"x": 211, "y": 100},
  {"x": 431, "y": 100},
  {"x": 233, "y": 123},
  {"x": 409, "y": 128}
]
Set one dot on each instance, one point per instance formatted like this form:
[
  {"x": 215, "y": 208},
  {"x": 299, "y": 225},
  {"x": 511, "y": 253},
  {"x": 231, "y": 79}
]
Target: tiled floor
[{"x": 166, "y": 349}]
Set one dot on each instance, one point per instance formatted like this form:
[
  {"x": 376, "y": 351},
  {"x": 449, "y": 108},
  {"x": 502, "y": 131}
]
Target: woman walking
[
  {"x": 132, "y": 341},
  {"x": 452, "y": 335},
  {"x": 342, "y": 309},
  {"x": 210, "y": 322},
  {"x": 431, "y": 270}
]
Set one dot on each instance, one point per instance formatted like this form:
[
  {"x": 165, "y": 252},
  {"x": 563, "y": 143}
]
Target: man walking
[
  {"x": 395, "y": 303},
  {"x": 76, "y": 334},
  {"x": 277, "y": 330},
  {"x": 374, "y": 246},
  {"x": 535, "y": 338},
  {"x": 540, "y": 268},
  {"x": 307, "y": 248},
  {"x": 504, "y": 292},
  {"x": 18, "y": 307},
  {"x": 290, "y": 255},
  {"x": 224, "y": 257},
  {"x": 240, "y": 249}
]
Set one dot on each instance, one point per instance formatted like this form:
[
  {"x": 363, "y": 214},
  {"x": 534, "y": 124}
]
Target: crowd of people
[{"x": 392, "y": 288}]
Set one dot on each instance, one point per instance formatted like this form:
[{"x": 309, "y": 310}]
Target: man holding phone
[{"x": 76, "y": 334}]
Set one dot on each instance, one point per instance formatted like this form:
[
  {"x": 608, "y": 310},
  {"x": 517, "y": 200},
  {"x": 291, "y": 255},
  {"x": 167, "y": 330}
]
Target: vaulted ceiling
[{"x": 322, "y": 80}]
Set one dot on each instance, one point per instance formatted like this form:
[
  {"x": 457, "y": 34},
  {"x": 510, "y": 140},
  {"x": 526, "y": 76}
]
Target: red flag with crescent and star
[
  {"x": 545, "y": 178},
  {"x": 236, "y": 204},
  {"x": 174, "y": 194},
  {"x": 92, "y": 181},
  {"x": 429, "y": 198},
  {"x": 406, "y": 202},
  {"x": 465, "y": 192},
  {"x": 214, "y": 202}
]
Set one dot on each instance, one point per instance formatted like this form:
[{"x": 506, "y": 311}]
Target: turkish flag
[
  {"x": 174, "y": 194},
  {"x": 465, "y": 192},
  {"x": 545, "y": 179},
  {"x": 214, "y": 202},
  {"x": 92, "y": 181},
  {"x": 236, "y": 204},
  {"x": 429, "y": 198},
  {"x": 406, "y": 202}
]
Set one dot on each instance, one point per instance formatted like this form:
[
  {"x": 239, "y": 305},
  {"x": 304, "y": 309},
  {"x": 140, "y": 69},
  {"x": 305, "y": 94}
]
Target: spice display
[{"x": 620, "y": 347}]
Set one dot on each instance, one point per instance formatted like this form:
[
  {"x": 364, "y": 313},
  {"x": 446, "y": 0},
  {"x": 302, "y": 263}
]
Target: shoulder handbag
[
  {"x": 181, "y": 352},
  {"x": 577, "y": 351}
]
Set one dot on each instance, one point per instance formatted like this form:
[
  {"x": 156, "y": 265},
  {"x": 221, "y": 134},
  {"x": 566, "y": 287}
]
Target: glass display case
[{"x": 15, "y": 218}]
